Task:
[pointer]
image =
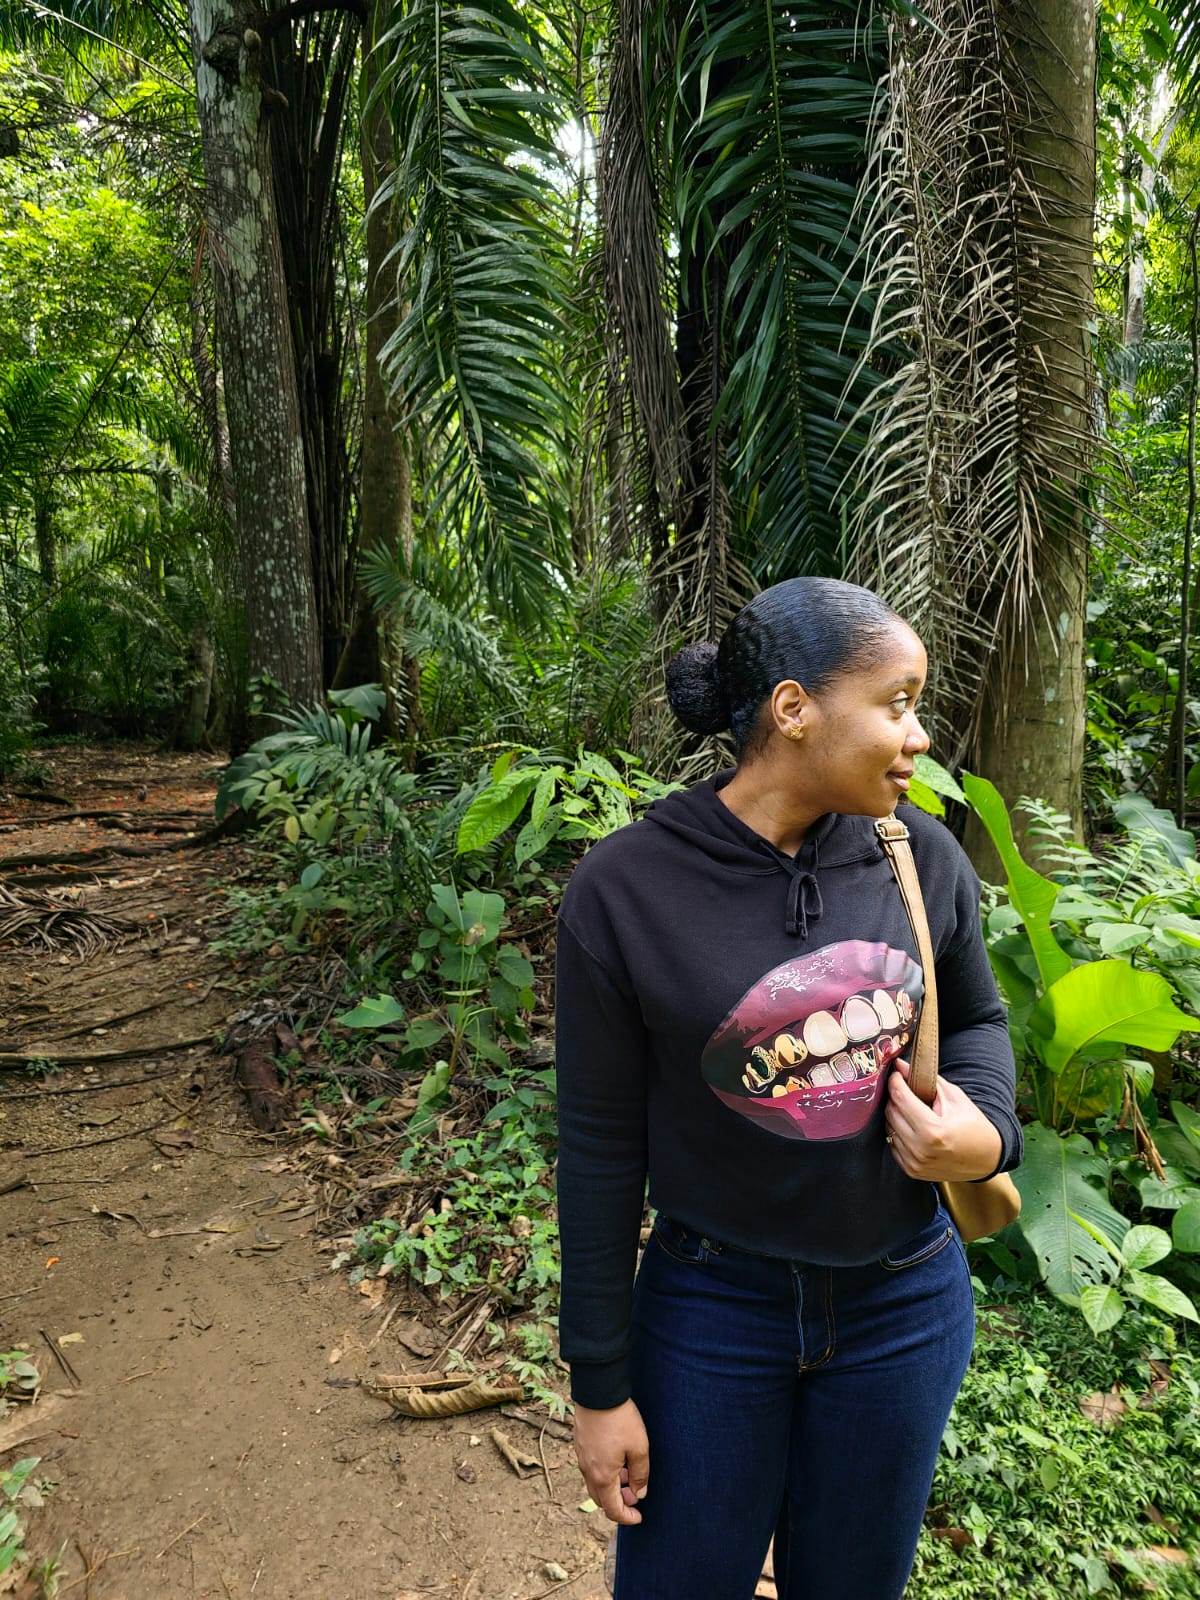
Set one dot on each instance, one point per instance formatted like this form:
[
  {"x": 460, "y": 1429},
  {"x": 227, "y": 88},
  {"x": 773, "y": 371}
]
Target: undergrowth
[{"x": 1055, "y": 1504}]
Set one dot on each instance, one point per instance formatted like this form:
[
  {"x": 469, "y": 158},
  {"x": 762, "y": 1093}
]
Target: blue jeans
[{"x": 791, "y": 1400}]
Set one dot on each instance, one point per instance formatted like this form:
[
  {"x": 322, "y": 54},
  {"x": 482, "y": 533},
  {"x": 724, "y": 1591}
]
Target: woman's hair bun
[{"x": 694, "y": 687}]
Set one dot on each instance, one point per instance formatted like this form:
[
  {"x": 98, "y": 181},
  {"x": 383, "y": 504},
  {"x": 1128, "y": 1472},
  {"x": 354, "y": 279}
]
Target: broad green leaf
[
  {"x": 311, "y": 876},
  {"x": 1170, "y": 1193},
  {"x": 1135, "y": 813},
  {"x": 1179, "y": 929},
  {"x": 482, "y": 913},
  {"x": 1114, "y": 938},
  {"x": 495, "y": 809},
  {"x": 1188, "y": 1120},
  {"x": 291, "y": 829},
  {"x": 543, "y": 795},
  {"x": 1030, "y": 893},
  {"x": 1177, "y": 1149},
  {"x": 924, "y": 798},
  {"x": 1102, "y": 1306},
  {"x": 934, "y": 776},
  {"x": 1106, "y": 1002},
  {"x": 534, "y": 837},
  {"x": 423, "y": 1033},
  {"x": 434, "y": 1084},
  {"x": 364, "y": 700},
  {"x": 1162, "y": 1294},
  {"x": 513, "y": 966},
  {"x": 501, "y": 765},
  {"x": 1185, "y": 1228},
  {"x": 380, "y": 1011},
  {"x": 1143, "y": 1246},
  {"x": 1061, "y": 1175}
]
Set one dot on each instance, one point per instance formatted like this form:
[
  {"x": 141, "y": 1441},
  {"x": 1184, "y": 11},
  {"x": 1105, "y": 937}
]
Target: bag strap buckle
[{"x": 891, "y": 829}]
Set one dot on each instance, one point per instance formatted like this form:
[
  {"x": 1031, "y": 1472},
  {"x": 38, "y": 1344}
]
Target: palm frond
[
  {"x": 764, "y": 183},
  {"x": 474, "y": 364},
  {"x": 433, "y": 624}
]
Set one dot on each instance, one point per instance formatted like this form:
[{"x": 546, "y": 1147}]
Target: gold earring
[{"x": 795, "y": 731}]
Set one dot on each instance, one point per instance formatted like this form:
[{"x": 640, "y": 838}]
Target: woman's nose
[{"x": 916, "y": 740}]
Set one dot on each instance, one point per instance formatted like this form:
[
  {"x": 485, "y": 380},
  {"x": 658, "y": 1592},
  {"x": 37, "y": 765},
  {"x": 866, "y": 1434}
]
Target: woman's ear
[{"x": 788, "y": 704}]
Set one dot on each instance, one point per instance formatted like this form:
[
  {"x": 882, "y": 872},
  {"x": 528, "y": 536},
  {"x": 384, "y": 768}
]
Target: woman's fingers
[
  {"x": 613, "y": 1456},
  {"x": 950, "y": 1139}
]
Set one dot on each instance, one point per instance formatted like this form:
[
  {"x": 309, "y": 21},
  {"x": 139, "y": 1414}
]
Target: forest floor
[{"x": 202, "y": 1430}]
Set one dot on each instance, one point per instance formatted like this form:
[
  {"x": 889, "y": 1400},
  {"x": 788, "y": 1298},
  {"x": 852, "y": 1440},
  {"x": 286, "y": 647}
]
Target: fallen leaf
[
  {"x": 174, "y": 1141},
  {"x": 465, "y": 1471},
  {"x": 1105, "y": 1410},
  {"x": 415, "y": 1336},
  {"x": 70, "y": 1338},
  {"x": 958, "y": 1538},
  {"x": 473, "y": 1396},
  {"x": 555, "y": 1573},
  {"x": 588, "y": 1506},
  {"x": 521, "y": 1462}
]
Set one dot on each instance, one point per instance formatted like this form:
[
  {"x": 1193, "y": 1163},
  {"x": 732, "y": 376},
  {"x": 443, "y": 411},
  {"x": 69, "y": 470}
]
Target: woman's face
[{"x": 861, "y": 732}]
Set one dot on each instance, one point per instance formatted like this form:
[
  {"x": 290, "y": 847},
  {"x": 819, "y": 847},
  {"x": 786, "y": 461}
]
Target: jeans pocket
[
  {"x": 684, "y": 1244},
  {"x": 923, "y": 1246}
]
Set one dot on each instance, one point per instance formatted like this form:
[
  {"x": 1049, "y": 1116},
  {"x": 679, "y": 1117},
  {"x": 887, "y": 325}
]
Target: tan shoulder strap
[{"x": 893, "y": 835}]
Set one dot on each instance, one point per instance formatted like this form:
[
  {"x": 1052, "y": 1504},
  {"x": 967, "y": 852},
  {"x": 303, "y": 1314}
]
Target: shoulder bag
[{"x": 989, "y": 1204}]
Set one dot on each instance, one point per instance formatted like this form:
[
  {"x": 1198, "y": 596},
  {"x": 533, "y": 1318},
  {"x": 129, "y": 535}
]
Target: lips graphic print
[{"x": 806, "y": 1052}]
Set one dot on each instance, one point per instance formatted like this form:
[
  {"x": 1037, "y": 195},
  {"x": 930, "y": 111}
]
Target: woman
[{"x": 738, "y": 984}]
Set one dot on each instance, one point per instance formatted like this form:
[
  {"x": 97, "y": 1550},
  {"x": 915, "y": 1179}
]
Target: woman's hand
[
  {"x": 949, "y": 1139},
  {"x": 614, "y": 1457}
]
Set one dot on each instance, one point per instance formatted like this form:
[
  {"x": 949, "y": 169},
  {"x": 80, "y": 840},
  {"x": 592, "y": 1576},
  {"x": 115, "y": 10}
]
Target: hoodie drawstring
[
  {"x": 804, "y": 892},
  {"x": 804, "y": 901}
]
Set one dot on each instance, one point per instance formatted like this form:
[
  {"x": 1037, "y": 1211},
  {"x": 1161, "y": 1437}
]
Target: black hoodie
[{"x": 727, "y": 1017}]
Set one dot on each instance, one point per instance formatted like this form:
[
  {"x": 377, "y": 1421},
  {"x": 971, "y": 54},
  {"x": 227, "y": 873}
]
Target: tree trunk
[
  {"x": 385, "y": 498},
  {"x": 43, "y": 537},
  {"x": 1032, "y": 734},
  {"x": 258, "y": 368},
  {"x": 191, "y": 717}
]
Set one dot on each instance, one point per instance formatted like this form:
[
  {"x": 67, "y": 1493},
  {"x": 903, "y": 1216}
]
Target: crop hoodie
[{"x": 727, "y": 1017}]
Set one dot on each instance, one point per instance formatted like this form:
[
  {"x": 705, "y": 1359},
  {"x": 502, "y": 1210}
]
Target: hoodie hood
[{"x": 701, "y": 817}]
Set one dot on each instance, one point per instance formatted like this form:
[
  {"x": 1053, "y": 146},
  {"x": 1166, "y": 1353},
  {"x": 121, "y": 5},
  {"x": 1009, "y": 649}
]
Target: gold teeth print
[{"x": 863, "y": 1037}]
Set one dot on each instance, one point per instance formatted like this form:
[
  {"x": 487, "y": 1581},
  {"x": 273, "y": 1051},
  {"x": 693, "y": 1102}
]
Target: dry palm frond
[
  {"x": 455, "y": 1400},
  {"x": 980, "y": 432},
  {"x": 52, "y": 920}
]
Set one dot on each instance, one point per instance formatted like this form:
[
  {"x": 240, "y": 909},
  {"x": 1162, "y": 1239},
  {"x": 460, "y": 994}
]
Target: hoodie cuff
[{"x": 600, "y": 1386}]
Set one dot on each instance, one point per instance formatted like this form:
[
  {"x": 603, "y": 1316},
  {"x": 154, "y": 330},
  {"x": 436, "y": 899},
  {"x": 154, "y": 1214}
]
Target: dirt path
[{"x": 201, "y": 1419}]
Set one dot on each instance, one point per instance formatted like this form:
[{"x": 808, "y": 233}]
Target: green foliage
[
  {"x": 13, "y": 1481},
  {"x": 1063, "y": 950},
  {"x": 1055, "y": 1506},
  {"x": 476, "y": 987},
  {"x": 1074, "y": 1000},
  {"x": 476, "y": 103},
  {"x": 586, "y": 800},
  {"x": 19, "y": 1378},
  {"x": 496, "y": 1202},
  {"x": 748, "y": 90}
]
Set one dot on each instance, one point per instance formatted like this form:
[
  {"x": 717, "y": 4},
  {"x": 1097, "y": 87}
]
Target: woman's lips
[{"x": 900, "y": 779}]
